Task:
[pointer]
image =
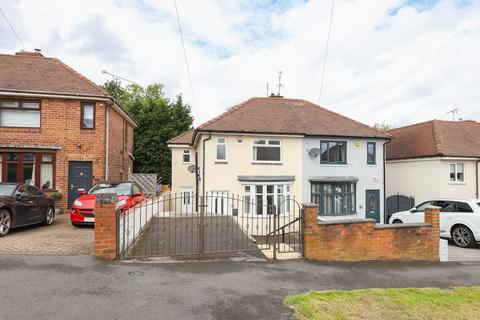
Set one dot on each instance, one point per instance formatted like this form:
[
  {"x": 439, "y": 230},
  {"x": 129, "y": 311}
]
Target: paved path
[
  {"x": 59, "y": 238},
  {"x": 85, "y": 287},
  {"x": 463, "y": 254}
]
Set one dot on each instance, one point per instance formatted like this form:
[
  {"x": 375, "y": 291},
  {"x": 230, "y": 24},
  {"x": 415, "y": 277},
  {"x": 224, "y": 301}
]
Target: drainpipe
[
  {"x": 203, "y": 163},
  {"x": 107, "y": 130},
  {"x": 476, "y": 178},
  {"x": 197, "y": 173},
  {"x": 384, "y": 183}
]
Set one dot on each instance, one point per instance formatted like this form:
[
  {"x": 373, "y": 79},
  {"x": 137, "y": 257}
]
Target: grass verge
[{"x": 372, "y": 304}]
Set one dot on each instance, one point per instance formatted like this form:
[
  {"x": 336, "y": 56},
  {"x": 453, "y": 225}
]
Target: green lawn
[{"x": 372, "y": 304}]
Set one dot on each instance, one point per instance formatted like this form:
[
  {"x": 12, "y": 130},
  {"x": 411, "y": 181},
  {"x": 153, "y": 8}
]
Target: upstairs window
[
  {"x": 21, "y": 113},
  {"x": 221, "y": 150},
  {"x": 371, "y": 152},
  {"x": 267, "y": 150},
  {"x": 186, "y": 156},
  {"x": 457, "y": 172},
  {"x": 88, "y": 116},
  {"x": 333, "y": 152}
]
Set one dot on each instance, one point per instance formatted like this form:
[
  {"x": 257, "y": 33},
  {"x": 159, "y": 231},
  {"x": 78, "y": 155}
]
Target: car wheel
[
  {"x": 49, "y": 216},
  {"x": 463, "y": 237},
  {"x": 5, "y": 222},
  {"x": 397, "y": 221}
]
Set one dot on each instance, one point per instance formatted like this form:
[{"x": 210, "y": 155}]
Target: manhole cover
[{"x": 135, "y": 273}]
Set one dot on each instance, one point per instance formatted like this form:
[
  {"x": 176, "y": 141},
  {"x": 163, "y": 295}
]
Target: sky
[{"x": 390, "y": 61}]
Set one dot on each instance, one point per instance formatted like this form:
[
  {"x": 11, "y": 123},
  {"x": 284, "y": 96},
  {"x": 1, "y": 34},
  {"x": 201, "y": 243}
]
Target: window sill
[
  {"x": 371, "y": 164},
  {"x": 274, "y": 163},
  {"x": 221, "y": 162},
  {"x": 457, "y": 183},
  {"x": 186, "y": 163},
  {"x": 334, "y": 164}
]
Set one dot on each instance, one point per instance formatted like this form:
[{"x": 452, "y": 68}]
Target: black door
[
  {"x": 373, "y": 204},
  {"x": 79, "y": 177}
]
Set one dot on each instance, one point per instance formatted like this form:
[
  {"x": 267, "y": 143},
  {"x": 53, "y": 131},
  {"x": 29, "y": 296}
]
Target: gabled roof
[
  {"x": 275, "y": 115},
  {"x": 435, "y": 138},
  {"x": 32, "y": 73},
  {"x": 184, "y": 138}
]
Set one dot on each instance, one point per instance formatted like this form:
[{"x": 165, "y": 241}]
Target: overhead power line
[
  {"x": 326, "y": 52},
  {"x": 185, "y": 56},
  {"x": 13, "y": 30}
]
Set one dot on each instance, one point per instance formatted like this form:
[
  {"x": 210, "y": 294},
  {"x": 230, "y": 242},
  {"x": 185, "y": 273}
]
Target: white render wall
[
  {"x": 370, "y": 177},
  {"x": 427, "y": 178}
]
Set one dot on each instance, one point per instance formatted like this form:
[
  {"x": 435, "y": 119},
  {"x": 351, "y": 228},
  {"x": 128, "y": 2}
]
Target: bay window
[
  {"x": 267, "y": 150},
  {"x": 20, "y": 113},
  {"x": 337, "y": 198},
  {"x": 262, "y": 199},
  {"x": 28, "y": 167}
]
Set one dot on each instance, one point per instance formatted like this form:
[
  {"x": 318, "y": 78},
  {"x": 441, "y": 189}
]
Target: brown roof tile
[
  {"x": 435, "y": 138},
  {"x": 30, "y": 71},
  {"x": 184, "y": 138}
]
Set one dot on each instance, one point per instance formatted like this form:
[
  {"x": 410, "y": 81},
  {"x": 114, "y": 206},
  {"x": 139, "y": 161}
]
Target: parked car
[
  {"x": 23, "y": 205},
  {"x": 459, "y": 219},
  {"x": 82, "y": 211}
]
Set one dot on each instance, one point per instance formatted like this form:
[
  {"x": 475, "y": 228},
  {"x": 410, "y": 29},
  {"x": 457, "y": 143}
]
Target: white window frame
[
  {"x": 455, "y": 164},
  {"x": 267, "y": 144},
  {"x": 287, "y": 193},
  {"x": 189, "y": 156},
  {"x": 216, "y": 149}
]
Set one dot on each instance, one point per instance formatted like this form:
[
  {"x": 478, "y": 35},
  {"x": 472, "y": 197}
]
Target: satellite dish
[
  {"x": 314, "y": 152},
  {"x": 192, "y": 168}
]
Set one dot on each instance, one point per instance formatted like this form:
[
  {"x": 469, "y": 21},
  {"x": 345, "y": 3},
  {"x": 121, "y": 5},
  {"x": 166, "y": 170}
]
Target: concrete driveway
[
  {"x": 456, "y": 253},
  {"x": 85, "y": 287},
  {"x": 59, "y": 238}
]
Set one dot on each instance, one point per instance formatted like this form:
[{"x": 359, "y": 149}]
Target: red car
[{"x": 82, "y": 211}]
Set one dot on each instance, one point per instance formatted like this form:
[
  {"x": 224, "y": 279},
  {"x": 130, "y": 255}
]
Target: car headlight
[
  {"x": 121, "y": 203},
  {"x": 77, "y": 203}
]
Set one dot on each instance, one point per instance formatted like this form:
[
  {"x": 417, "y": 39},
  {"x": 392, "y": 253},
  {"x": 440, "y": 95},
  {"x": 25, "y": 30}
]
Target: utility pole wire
[
  {"x": 326, "y": 52},
  {"x": 13, "y": 29},
  {"x": 185, "y": 56}
]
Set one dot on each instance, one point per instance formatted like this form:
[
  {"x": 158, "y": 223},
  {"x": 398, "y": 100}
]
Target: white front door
[
  {"x": 218, "y": 202},
  {"x": 186, "y": 195}
]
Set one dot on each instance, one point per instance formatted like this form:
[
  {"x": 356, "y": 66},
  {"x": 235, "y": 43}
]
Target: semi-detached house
[
  {"x": 268, "y": 149},
  {"x": 59, "y": 130}
]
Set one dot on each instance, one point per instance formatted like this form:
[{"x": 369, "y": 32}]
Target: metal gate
[
  {"x": 170, "y": 225},
  {"x": 398, "y": 202}
]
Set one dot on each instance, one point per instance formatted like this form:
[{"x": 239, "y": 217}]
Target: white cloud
[{"x": 395, "y": 61}]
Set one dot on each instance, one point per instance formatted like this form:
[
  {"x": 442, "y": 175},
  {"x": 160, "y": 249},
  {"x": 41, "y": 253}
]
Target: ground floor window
[
  {"x": 337, "y": 198},
  {"x": 263, "y": 199},
  {"x": 34, "y": 168}
]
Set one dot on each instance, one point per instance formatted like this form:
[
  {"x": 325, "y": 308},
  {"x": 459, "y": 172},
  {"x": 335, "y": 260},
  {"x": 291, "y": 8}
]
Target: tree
[
  {"x": 382, "y": 126},
  {"x": 159, "y": 119}
]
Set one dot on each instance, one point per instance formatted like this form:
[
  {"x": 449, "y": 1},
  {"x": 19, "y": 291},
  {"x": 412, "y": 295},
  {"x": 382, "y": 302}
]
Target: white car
[{"x": 459, "y": 219}]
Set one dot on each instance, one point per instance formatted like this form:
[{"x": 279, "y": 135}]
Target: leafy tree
[
  {"x": 159, "y": 119},
  {"x": 382, "y": 126}
]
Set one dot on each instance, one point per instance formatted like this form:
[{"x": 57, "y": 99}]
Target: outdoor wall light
[{"x": 239, "y": 139}]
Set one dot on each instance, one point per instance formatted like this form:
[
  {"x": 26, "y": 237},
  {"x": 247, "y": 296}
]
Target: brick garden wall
[{"x": 362, "y": 240}]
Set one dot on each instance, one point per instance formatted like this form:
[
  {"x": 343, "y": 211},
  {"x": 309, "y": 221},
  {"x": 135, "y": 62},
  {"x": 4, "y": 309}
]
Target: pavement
[
  {"x": 85, "y": 287},
  {"x": 59, "y": 238}
]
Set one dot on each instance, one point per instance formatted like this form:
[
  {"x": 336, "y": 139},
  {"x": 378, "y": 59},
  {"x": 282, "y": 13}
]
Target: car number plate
[{"x": 89, "y": 219}]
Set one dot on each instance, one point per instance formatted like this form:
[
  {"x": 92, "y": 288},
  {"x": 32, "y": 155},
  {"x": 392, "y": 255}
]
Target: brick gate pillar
[
  {"x": 310, "y": 223},
  {"x": 432, "y": 216},
  {"x": 106, "y": 226}
]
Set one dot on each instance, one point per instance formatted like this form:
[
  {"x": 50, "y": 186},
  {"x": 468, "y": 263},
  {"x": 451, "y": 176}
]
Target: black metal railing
[{"x": 170, "y": 225}]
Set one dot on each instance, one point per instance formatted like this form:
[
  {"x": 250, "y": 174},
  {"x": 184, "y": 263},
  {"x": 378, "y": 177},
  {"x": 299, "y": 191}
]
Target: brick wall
[
  {"x": 362, "y": 240},
  {"x": 60, "y": 126},
  {"x": 120, "y": 144},
  {"x": 106, "y": 226}
]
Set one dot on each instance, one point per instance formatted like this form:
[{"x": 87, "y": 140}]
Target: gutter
[
  {"x": 476, "y": 178},
  {"x": 47, "y": 94}
]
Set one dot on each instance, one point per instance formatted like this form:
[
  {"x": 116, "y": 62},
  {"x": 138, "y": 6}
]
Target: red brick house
[{"x": 59, "y": 130}]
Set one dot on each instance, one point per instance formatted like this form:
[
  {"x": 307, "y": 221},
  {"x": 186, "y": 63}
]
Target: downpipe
[{"x": 476, "y": 178}]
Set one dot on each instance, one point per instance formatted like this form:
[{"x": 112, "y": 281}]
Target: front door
[
  {"x": 372, "y": 205},
  {"x": 79, "y": 177},
  {"x": 186, "y": 195}
]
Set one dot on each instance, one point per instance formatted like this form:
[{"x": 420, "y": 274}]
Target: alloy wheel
[
  {"x": 462, "y": 237},
  {"x": 50, "y": 216},
  {"x": 4, "y": 222}
]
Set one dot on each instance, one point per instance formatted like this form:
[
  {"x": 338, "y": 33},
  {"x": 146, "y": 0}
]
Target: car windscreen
[
  {"x": 7, "y": 189},
  {"x": 124, "y": 189},
  {"x": 99, "y": 186}
]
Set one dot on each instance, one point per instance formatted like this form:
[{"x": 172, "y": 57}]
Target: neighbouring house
[
  {"x": 434, "y": 159},
  {"x": 268, "y": 149},
  {"x": 59, "y": 130}
]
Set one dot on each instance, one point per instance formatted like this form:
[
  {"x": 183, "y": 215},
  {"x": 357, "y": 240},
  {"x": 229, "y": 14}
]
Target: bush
[{"x": 56, "y": 195}]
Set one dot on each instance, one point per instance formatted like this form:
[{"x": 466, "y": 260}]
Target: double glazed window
[
  {"x": 457, "y": 172},
  {"x": 267, "y": 151},
  {"x": 221, "y": 154},
  {"x": 262, "y": 199},
  {"x": 186, "y": 156},
  {"x": 334, "y": 198},
  {"x": 20, "y": 113},
  {"x": 88, "y": 116},
  {"x": 334, "y": 152},
  {"x": 371, "y": 152},
  {"x": 27, "y": 167}
]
